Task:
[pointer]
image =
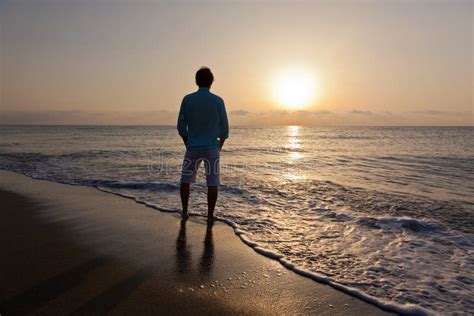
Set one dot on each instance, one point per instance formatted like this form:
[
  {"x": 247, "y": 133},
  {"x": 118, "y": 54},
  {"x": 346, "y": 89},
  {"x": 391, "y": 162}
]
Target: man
[{"x": 203, "y": 126}]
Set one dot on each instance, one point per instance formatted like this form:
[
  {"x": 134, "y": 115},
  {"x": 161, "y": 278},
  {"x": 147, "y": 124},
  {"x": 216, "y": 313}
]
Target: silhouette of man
[{"x": 203, "y": 126}]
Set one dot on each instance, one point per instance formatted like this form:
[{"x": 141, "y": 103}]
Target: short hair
[{"x": 204, "y": 77}]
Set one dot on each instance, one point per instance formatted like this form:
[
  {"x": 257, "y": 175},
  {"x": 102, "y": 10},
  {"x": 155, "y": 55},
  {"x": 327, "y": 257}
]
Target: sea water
[{"x": 385, "y": 213}]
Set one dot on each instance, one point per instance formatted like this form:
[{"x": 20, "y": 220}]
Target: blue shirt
[{"x": 203, "y": 120}]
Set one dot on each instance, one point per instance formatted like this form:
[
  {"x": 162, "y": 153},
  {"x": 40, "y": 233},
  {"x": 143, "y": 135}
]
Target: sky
[{"x": 381, "y": 62}]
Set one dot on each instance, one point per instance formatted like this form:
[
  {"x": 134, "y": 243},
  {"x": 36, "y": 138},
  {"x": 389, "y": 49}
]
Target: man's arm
[
  {"x": 183, "y": 124},
  {"x": 185, "y": 141},
  {"x": 223, "y": 125}
]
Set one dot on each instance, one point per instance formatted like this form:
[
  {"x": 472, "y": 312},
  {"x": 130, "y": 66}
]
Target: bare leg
[
  {"x": 184, "y": 192},
  {"x": 211, "y": 202}
]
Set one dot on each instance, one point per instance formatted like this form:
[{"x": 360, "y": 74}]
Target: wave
[
  {"x": 131, "y": 185},
  {"x": 90, "y": 154}
]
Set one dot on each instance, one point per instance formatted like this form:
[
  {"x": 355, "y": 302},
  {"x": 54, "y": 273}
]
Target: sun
[{"x": 295, "y": 89}]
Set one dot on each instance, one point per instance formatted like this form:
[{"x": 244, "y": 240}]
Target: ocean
[{"x": 385, "y": 213}]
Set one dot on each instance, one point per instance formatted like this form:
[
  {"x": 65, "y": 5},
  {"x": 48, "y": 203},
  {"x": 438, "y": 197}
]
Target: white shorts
[{"x": 192, "y": 161}]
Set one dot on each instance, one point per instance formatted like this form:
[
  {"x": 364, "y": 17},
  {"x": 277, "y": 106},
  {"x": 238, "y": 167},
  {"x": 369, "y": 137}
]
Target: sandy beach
[
  {"x": 332, "y": 141},
  {"x": 72, "y": 249}
]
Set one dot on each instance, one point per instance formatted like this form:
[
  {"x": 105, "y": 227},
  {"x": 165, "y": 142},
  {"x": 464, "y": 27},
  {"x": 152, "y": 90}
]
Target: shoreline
[{"x": 76, "y": 230}]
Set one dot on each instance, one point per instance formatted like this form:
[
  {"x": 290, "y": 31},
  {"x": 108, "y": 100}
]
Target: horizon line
[{"x": 235, "y": 126}]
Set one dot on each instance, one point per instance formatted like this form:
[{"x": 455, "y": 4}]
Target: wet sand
[{"x": 71, "y": 249}]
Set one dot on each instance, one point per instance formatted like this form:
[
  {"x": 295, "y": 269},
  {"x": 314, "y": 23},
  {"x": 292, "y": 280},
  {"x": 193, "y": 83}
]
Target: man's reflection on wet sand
[
  {"x": 183, "y": 255},
  {"x": 207, "y": 257}
]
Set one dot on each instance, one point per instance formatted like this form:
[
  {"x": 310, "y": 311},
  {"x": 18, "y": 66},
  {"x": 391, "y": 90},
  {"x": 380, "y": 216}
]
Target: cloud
[
  {"x": 310, "y": 113},
  {"x": 359, "y": 112},
  {"x": 323, "y": 112},
  {"x": 442, "y": 113},
  {"x": 240, "y": 112}
]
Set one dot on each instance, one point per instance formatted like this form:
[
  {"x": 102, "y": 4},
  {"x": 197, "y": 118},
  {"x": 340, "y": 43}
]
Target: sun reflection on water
[
  {"x": 294, "y": 146},
  {"x": 294, "y": 142}
]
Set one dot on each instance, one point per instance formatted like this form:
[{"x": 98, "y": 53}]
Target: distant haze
[{"x": 130, "y": 62}]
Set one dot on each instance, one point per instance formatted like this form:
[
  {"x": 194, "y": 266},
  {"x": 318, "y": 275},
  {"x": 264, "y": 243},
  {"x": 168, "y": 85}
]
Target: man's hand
[
  {"x": 221, "y": 143},
  {"x": 185, "y": 141}
]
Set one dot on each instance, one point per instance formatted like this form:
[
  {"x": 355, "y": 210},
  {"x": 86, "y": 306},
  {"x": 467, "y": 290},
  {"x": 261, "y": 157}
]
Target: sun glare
[{"x": 295, "y": 89}]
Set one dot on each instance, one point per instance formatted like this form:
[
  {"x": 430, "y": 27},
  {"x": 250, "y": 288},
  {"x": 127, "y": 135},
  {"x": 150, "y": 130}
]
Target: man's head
[{"x": 204, "y": 77}]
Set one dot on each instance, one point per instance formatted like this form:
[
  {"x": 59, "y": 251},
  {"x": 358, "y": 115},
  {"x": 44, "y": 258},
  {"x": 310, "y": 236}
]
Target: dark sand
[{"x": 70, "y": 249}]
